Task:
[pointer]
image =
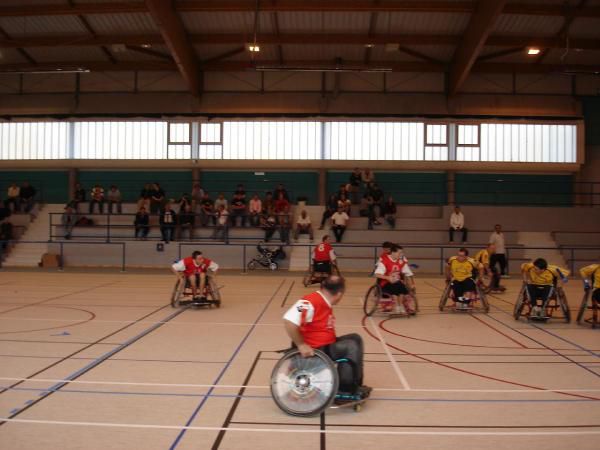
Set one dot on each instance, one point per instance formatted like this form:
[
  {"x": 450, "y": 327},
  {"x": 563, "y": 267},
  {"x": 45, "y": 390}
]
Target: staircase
[
  {"x": 540, "y": 239},
  {"x": 29, "y": 255}
]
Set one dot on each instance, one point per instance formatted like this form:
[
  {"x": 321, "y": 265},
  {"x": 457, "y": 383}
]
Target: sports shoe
[{"x": 399, "y": 309}]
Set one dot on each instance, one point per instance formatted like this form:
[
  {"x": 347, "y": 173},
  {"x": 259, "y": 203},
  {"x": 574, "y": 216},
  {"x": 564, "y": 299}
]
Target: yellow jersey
[
  {"x": 547, "y": 278},
  {"x": 483, "y": 256},
  {"x": 462, "y": 270},
  {"x": 590, "y": 271}
]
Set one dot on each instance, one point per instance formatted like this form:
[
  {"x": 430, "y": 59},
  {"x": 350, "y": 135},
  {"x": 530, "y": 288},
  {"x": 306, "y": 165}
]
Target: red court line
[
  {"x": 497, "y": 330},
  {"x": 447, "y": 366}
]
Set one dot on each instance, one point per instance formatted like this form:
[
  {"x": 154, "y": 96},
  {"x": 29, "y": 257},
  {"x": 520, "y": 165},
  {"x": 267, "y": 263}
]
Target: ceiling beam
[
  {"x": 297, "y": 39},
  {"x": 297, "y": 5},
  {"x": 174, "y": 35},
  {"x": 479, "y": 28},
  {"x": 239, "y": 66}
]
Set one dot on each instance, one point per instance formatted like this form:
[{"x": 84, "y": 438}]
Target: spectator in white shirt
[
  {"x": 339, "y": 220},
  {"x": 222, "y": 223},
  {"x": 221, "y": 201},
  {"x": 497, "y": 238},
  {"x": 457, "y": 223},
  {"x": 303, "y": 226},
  {"x": 13, "y": 197},
  {"x": 114, "y": 198},
  {"x": 97, "y": 198},
  {"x": 255, "y": 210}
]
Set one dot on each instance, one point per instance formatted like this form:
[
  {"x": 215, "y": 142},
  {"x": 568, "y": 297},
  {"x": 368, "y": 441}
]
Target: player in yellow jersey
[
  {"x": 591, "y": 280},
  {"x": 541, "y": 278},
  {"x": 483, "y": 257},
  {"x": 461, "y": 272}
]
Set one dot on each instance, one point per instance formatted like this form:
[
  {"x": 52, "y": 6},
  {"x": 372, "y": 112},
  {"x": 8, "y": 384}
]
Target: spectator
[
  {"x": 114, "y": 198},
  {"x": 168, "y": 220},
  {"x": 186, "y": 221},
  {"x": 197, "y": 196},
  {"x": 499, "y": 257},
  {"x": 97, "y": 198},
  {"x": 270, "y": 226},
  {"x": 269, "y": 204},
  {"x": 27, "y": 196},
  {"x": 6, "y": 235},
  {"x": 354, "y": 185},
  {"x": 344, "y": 203},
  {"x": 367, "y": 177},
  {"x": 142, "y": 224},
  {"x": 13, "y": 198},
  {"x": 339, "y": 220},
  {"x": 389, "y": 212},
  {"x": 184, "y": 202},
  {"x": 377, "y": 194},
  {"x": 221, "y": 201},
  {"x": 206, "y": 210},
  {"x": 282, "y": 211},
  {"x": 157, "y": 198},
  {"x": 78, "y": 197},
  {"x": 281, "y": 190},
  {"x": 330, "y": 208},
  {"x": 240, "y": 191},
  {"x": 238, "y": 209},
  {"x": 4, "y": 212},
  {"x": 221, "y": 227},
  {"x": 303, "y": 226},
  {"x": 68, "y": 221},
  {"x": 457, "y": 223},
  {"x": 144, "y": 199},
  {"x": 255, "y": 210}
]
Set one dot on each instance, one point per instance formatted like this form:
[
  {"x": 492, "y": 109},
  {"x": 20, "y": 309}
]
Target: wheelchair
[
  {"x": 594, "y": 306},
  {"x": 377, "y": 301},
  {"x": 489, "y": 279},
  {"x": 556, "y": 302},
  {"x": 313, "y": 277},
  {"x": 478, "y": 304},
  {"x": 306, "y": 387},
  {"x": 267, "y": 257},
  {"x": 182, "y": 294}
]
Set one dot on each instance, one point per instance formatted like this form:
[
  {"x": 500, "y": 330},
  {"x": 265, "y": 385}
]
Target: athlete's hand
[{"x": 306, "y": 350}]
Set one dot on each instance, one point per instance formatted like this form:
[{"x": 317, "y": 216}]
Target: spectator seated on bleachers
[
  {"x": 368, "y": 178},
  {"x": 221, "y": 201},
  {"x": 457, "y": 223},
  {"x": 389, "y": 212},
  {"x": 377, "y": 193},
  {"x": 344, "y": 203},
  {"x": 280, "y": 190},
  {"x": 207, "y": 210},
  {"x": 303, "y": 225},
  {"x": 354, "y": 185},
  {"x": 197, "y": 195},
  {"x": 255, "y": 209},
  {"x": 238, "y": 209},
  {"x": 366, "y": 209},
  {"x": 168, "y": 222},
  {"x": 114, "y": 197},
  {"x": 269, "y": 204},
  {"x": 184, "y": 202},
  {"x": 157, "y": 198},
  {"x": 241, "y": 191},
  {"x": 186, "y": 221},
  {"x": 13, "y": 199},
  {"x": 142, "y": 224},
  {"x": 339, "y": 221},
  {"x": 222, "y": 221},
  {"x": 78, "y": 197},
  {"x": 97, "y": 198},
  {"x": 330, "y": 208},
  {"x": 27, "y": 196},
  {"x": 144, "y": 198}
]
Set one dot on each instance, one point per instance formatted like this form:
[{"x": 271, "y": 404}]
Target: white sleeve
[
  {"x": 213, "y": 266},
  {"x": 332, "y": 255},
  {"x": 300, "y": 308},
  {"x": 406, "y": 270},
  {"x": 179, "y": 266},
  {"x": 380, "y": 269}
]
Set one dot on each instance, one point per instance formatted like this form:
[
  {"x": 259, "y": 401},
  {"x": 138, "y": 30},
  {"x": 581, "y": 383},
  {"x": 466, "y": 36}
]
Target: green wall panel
[{"x": 52, "y": 186}]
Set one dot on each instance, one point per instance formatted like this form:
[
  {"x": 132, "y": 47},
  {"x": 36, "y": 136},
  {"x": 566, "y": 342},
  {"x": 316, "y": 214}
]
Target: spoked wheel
[
  {"x": 520, "y": 303},
  {"x": 307, "y": 281},
  {"x": 252, "y": 264},
  {"x": 583, "y": 307},
  {"x": 304, "y": 386},
  {"x": 273, "y": 266},
  {"x": 444, "y": 298},
  {"x": 176, "y": 294},
  {"x": 214, "y": 291},
  {"x": 372, "y": 300},
  {"x": 561, "y": 298}
]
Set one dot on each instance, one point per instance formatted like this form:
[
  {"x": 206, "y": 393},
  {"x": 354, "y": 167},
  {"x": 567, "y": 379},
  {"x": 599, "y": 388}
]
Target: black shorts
[
  {"x": 538, "y": 291},
  {"x": 596, "y": 294},
  {"x": 397, "y": 288},
  {"x": 461, "y": 287},
  {"x": 322, "y": 267}
]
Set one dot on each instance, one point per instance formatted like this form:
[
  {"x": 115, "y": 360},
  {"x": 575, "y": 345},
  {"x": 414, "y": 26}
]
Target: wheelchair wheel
[
  {"x": 583, "y": 307},
  {"x": 561, "y": 298},
  {"x": 273, "y": 266},
  {"x": 176, "y": 294},
  {"x": 445, "y": 296},
  {"x": 372, "y": 298},
  {"x": 304, "y": 386},
  {"x": 482, "y": 298},
  {"x": 213, "y": 292},
  {"x": 413, "y": 294},
  {"x": 520, "y": 303},
  {"x": 252, "y": 264},
  {"x": 307, "y": 280},
  {"x": 335, "y": 270}
]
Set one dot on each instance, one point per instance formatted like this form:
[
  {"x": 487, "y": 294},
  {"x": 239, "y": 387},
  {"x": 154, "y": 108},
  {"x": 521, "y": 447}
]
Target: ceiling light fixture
[
  {"x": 254, "y": 48},
  {"x": 369, "y": 45},
  {"x": 533, "y": 51},
  {"x": 146, "y": 45}
]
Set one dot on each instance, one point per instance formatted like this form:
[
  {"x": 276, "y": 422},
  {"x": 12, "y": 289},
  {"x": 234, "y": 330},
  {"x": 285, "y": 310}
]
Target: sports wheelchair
[
  {"x": 556, "y": 301},
  {"x": 377, "y": 301},
  {"x": 314, "y": 277},
  {"x": 479, "y": 303},
  {"x": 182, "y": 293},
  {"x": 308, "y": 386},
  {"x": 490, "y": 279},
  {"x": 267, "y": 257},
  {"x": 594, "y": 306}
]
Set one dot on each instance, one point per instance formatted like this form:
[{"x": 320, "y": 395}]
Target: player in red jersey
[
  {"x": 323, "y": 256},
  {"x": 192, "y": 268},
  {"x": 393, "y": 274},
  {"x": 310, "y": 324}
]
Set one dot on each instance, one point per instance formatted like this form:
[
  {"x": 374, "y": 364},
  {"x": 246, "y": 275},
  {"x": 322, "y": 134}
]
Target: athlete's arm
[{"x": 293, "y": 332}]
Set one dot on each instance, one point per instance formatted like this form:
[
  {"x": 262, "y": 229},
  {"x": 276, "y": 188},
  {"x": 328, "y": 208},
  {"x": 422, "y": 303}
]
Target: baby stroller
[{"x": 267, "y": 257}]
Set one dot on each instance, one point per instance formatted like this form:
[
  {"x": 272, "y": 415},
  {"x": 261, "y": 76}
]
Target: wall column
[
  {"x": 196, "y": 176},
  {"x": 451, "y": 187},
  {"x": 73, "y": 180},
  {"x": 322, "y": 186}
]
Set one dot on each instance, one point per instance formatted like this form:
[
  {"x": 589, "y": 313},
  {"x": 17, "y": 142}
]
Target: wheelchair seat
[{"x": 555, "y": 305}]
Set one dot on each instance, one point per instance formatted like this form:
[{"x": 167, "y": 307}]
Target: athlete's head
[
  {"x": 463, "y": 253},
  {"x": 540, "y": 265},
  {"x": 325, "y": 238},
  {"x": 197, "y": 257},
  {"x": 386, "y": 247},
  {"x": 395, "y": 251},
  {"x": 334, "y": 287}
]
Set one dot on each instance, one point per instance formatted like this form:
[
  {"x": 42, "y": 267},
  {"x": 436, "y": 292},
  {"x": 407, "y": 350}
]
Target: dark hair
[
  {"x": 541, "y": 263},
  {"x": 387, "y": 244},
  {"x": 463, "y": 250},
  {"x": 334, "y": 284},
  {"x": 324, "y": 238},
  {"x": 394, "y": 248},
  {"x": 195, "y": 254}
]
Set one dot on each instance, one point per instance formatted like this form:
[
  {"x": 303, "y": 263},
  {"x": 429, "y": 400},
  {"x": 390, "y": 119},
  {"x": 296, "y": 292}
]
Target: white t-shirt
[
  {"x": 498, "y": 240},
  {"x": 294, "y": 314},
  {"x": 457, "y": 221},
  {"x": 303, "y": 221},
  {"x": 340, "y": 218},
  {"x": 179, "y": 266},
  {"x": 380, "y": 269}
]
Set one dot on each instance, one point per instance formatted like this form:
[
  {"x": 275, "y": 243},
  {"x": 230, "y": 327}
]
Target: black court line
[
  {"x": 287, "y": 294},
  {"x": 59, "y": 296},
  {"x": 323, "y": 438},
  {"x": 363, "y": 425},
  {"x": 81, "y": 349},
  {"x": 120, "y": 305},
  {"x": 94, "y": 364},
  {"x": 25, "y": 341}
]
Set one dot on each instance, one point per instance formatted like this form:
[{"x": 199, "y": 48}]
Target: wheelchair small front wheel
[
  {"x": 273, "y": 266},
  {"x": 371, "y": 302}
]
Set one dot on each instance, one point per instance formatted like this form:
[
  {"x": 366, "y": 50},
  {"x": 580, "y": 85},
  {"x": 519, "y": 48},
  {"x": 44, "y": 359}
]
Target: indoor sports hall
[{"x": 318, "y": 224}]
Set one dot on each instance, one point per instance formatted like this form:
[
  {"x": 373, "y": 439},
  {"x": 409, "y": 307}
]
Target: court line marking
[
  {"x": 299, "y": 430},
  {"x": 387, "y": 351},
  {"x": 250, "y": 386}
]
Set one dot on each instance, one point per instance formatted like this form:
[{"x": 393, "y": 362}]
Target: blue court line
[
  {"x": 239, "y": 347},
  {"x": 117, "y": 359},
  {"x": 388, "y": 399}
]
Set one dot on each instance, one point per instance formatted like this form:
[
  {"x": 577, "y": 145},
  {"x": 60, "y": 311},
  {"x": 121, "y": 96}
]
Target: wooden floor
[{"x": 101, "y": 361}]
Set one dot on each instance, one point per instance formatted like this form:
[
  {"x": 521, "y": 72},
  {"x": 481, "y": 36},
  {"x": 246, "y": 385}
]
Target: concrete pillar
[
  {"x": 73, "y": 179},
  {"x": 196, "y": 176},
  {"x": 322, "y": 186},
  {"x": 451, "y": 187}
]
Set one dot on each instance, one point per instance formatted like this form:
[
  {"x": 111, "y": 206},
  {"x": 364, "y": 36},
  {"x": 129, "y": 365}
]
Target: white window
[{"x": 34, "y": 140}]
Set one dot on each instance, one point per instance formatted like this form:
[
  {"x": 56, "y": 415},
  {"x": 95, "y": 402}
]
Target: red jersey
[
  {"x": 322, "y": 252},
  {"x": 320, "y": 330},
  {"x": 391, "y": 267},
  {"x": 192, "y": 269}
]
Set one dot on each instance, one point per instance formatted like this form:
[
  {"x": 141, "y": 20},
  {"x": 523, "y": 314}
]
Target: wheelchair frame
[
  {"x": 480, "y": 298},
  {"x": 182, "y": 294},
  {"x": 313, "y": 277},
  {"x": 375, "y": 292},
  {"x": 557, "y": 300},
  {"x": 594, "y": 307}
]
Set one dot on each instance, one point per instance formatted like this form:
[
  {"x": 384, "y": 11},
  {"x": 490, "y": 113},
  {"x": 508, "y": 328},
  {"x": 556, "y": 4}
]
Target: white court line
[
  {"x": 304, "y": 430},
  {"x": 249, "y": 386},
  {"x": 393, "y": 361}
]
